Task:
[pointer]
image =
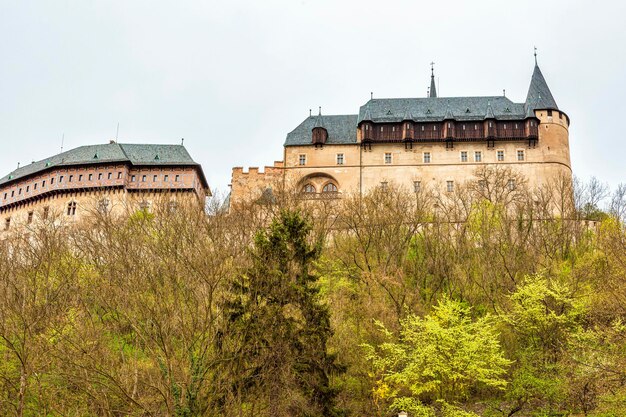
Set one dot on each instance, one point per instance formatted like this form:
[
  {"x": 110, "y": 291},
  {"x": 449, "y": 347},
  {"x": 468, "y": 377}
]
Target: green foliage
[{"x": 443, "y": 356}]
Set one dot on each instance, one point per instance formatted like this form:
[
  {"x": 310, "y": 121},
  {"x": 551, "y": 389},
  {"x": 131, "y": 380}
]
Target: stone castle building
[
  {"x": 418, "y": 142},
  {"x": 109, "y": 177}
]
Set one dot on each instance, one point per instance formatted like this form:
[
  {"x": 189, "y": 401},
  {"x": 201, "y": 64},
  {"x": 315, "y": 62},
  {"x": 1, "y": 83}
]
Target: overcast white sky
[{"x": 234, "y": 77}]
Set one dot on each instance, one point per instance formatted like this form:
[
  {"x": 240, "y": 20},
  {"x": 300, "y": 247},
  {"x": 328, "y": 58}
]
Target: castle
[
  {"x": 435, "y": 142},
  {"x": 108, "y": 177}
]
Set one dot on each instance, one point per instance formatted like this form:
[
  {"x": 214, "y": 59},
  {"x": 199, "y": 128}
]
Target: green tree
[
  {"x": 440, "y": 357},
  {"x": 281, "y": 363}
]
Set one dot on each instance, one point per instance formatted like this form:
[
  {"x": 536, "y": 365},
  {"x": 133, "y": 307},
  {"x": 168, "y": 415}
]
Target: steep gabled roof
[
  {"x": 436, "y": 109},
  {"x": 135, "y": 154},
  {"x": 341, "y": 129},
  {"x": 539, "y": 95}
]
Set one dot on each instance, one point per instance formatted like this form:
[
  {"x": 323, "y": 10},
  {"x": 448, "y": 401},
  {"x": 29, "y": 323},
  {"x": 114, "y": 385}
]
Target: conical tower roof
[{"x": 539, "y": 95}]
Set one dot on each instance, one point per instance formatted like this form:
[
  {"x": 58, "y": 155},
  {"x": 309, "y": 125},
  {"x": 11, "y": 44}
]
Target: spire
[
  {"x": 539, "y": 95},
  {"x": 433, "y": 90},
  {"x": 319, "y": 120},
  {"x": 490, "y": 114}
]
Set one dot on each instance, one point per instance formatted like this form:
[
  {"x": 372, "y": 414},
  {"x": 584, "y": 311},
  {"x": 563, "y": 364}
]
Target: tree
[
  {"x": 443, "y": 356},
  {"x": 279, "y": 328}
]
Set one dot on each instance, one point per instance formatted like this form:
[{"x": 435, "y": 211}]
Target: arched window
[
  {"x": 308, "y": 188},
  {"x": 330, "y": 188}
]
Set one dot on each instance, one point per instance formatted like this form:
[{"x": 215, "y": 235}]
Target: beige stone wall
[
  {"x": 364, "y": 169},
  {"x": 65, "y": 179},
  {"x": 250, "y": 184},
  {"x": 59, "y": 207}
]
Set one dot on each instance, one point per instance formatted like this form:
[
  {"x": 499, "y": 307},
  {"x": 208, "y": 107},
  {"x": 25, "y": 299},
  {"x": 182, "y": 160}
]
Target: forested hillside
[{"x": 493, "y": 300}]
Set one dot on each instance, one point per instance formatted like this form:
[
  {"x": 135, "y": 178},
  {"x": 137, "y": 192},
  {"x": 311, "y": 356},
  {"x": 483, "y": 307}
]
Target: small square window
[
  {"x": 449, "y": 186},
  {"x": 511, "y": 184},
  {"x": 339, "y": 159},
  {"x": 302, "y": 159},
  {"x": 478, "y": 156},
  {"x": 500, "y": 155},
  {"x": 549, "y": 113},
  {"x": 427, "y": 157},
  {"x": 387, "y": 157},
  {"x": 463, "y": 156},
  {"x": 520, "y": 155}
]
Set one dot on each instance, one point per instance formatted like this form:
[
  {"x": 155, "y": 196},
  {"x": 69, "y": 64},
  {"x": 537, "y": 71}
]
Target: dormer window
[{"x": 319, "y": 136}]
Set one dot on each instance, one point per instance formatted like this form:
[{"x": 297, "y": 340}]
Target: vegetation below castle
[{"x": 493, "y": 301}]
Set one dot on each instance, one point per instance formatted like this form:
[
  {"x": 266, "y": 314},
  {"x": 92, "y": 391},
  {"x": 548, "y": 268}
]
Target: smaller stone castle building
[{"x": 110, "y": 177}]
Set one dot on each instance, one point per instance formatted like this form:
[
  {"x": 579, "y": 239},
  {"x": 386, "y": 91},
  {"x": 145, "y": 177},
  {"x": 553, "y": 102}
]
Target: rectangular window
[
  {"x": 46, "y": 211},
  {"x": 302, "y": 159},
  {"x": 549, "y": 113},
  {"x": 339, "y": 159},
  {"x": 7, "y": 223},
  {"x": 177, "y": 178},
  {"x": 100, "y": 176},
  {"x": 71, "y": 178},
  {"x": 133, "y": 178},
  {"x": 43, "y": 184},
  {"x": 119, "y": 175},
  {"x": 143, "y": 178},
  {"x": 478, "y": 156},
  {"x": 417, "y": 185},
  {"x": 511, "y": 184},
  {"x": 30, "y": 217},
  {"x": 463, "y": 156},
  {"x": 520, "y": 155},
  {"x": 154, "y": 178},
  {"x": 20, "y": 192},
  {"x": 5, "y": 195},
  {"x": 28, "y": 188},
  {"x": 427, "y": 157},
  {"x": 384, "y": 185},
  {"x": 80, "y": 177},
  {"x": 34, "y": 186},
  {"x": 60, "y": 179},
  {"x": 387, "y": 157},
  {"x": 90, "y": 177},
  {"x": 449, "y": 186},
  {"x": 109, "y": 176},
  {"x": 166, "y": 177},
  {"x": 500, "y": 155}
]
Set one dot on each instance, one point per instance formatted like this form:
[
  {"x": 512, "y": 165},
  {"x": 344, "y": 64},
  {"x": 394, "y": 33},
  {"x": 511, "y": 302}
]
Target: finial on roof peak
[
  {"x": 310, "y": 112},
  {"x": 320, "y": 113},
  {"x": 371, "y": 95},
  {"x": 535, "y": 55}
]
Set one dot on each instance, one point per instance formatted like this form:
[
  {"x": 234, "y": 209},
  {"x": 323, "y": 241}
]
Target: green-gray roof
[
  {"x": 436, "y": 109},
  {"x": 341, "y": 130},
  {"x": 539, "y": 95},
  {"x": 135, "y": 154}
]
